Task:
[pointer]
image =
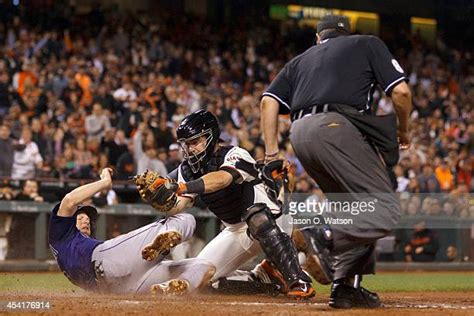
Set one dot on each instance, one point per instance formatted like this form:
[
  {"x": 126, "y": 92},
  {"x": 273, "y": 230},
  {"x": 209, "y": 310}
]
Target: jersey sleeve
[
  {"x": 231, "y": 159},
  {"x": 386, "y": 68},
  {"x": 61, "y": 228},
  {"x": 280, "y": 90}
]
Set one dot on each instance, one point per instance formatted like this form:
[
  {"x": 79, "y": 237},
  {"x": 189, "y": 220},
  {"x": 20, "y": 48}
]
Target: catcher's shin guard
[{"x": 277, "y": 246}]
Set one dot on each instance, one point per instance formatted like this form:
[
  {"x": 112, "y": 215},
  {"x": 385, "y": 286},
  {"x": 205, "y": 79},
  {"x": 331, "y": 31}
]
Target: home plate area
[{"x": 217, "y": 304}]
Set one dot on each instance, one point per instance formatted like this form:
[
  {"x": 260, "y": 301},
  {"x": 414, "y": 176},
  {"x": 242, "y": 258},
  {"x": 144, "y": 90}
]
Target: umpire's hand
[{"x": 403, "y": 140}]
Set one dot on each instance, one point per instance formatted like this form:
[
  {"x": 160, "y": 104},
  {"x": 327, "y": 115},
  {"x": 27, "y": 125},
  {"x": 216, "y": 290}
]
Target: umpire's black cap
[{"x": 338, "y": 22}]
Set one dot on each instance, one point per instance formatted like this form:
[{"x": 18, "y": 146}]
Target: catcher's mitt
[{"x": 153, "y": 190}]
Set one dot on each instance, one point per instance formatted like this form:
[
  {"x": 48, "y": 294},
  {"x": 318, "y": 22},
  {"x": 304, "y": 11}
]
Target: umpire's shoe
[
  {"x": 316, "y": 243},
  {"x": 161, "y": 245},
  {"x": 346, "y": 296}
]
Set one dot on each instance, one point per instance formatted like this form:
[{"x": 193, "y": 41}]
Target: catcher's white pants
[
  {"x": 229, "y": 250},
  {"x": 124, "y": 271}
]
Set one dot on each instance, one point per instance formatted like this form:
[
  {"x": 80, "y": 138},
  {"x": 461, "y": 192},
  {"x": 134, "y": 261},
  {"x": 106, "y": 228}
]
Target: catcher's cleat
[
  {"x": 318, "y": 259},
  {"x": 172, "y": 287},
  {"x": 241, "y": 287},
  {"x": 266, "y": 273},
  {"x": 301, "y": 291},
  {"x": 162, "y": 244}
]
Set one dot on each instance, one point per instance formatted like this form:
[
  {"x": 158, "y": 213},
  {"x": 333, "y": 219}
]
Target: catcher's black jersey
[
  {"x": 324, "y": 74},
  {"x": 229, "y": 203}
]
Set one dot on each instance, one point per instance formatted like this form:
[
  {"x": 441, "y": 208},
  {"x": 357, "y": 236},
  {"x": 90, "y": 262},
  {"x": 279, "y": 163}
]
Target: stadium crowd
[{"x": 78, "y": 93}]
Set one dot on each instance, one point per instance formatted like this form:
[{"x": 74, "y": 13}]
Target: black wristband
[{"x": 195, "y": 186}]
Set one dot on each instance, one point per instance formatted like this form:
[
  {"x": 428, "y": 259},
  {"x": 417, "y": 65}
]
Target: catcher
[
  {"x": 253, "y": 220},
  {"x": 128, "y": 264}
]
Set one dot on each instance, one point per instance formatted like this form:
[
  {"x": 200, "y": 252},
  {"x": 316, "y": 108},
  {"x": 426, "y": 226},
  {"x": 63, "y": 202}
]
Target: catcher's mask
[
  {"x": 198, "y": 135},
  {"x": 92, "y": 213}
]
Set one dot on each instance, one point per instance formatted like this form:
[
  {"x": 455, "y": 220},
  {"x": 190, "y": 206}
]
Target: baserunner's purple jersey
[{"x": 72, "y": 249}]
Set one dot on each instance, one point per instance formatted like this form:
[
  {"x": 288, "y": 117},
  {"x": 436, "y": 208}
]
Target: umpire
[{"x": 327, "y": 90}]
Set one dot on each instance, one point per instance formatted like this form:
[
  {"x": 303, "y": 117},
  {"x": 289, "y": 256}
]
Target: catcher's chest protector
[{"x": 229, "y": 203}]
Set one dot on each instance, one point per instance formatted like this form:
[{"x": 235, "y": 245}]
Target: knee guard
[{"x": 276, "y": 244}]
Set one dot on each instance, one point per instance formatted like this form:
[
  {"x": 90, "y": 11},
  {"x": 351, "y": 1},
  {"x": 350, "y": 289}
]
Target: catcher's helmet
[{"x": 199, "y": 124}]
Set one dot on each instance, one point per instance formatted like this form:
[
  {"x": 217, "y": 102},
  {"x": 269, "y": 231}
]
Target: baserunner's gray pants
[
  {"x": 346, "y": 167},
  {"x": 123, "y": 270}
]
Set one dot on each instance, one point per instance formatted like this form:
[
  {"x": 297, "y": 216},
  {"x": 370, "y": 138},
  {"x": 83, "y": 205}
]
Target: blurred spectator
[
  {"x": 423, "y": 245},
  {"x": 115, "y": 231},
  {"x": 130, "y": 119},
  {"x": 435, "y": 208},
  {"x": 291, "y": 157},
  {"x": 7, "y": 193},
  {"x": 103, "y": 97},
  {"x": 66, "y": 163},
  {"x": 146, "y": 158},
  {"x": 84, "y": 81},
  {"x": 303, "y": 190},
  {"x": 413, "y": 185},
  {"x": 126, "y": 163},
  {"x": 163, "y": 135},
  {"x": 114, "y": 144},
  {"x": 97, "y": 123},
  {"x": 404, "y": 200},
  {"x": 464, "y": 175},
  {"x": 25, "y": 78},
  {"x": 448, "y": 209},
  {"x": 30, "y": 192},
  {"x": 444, "y": 176},
  {"x": 27, "y": 157},
  {"x": 452, "y": 253},
  {"x": 174, "y": 157},
  {"x": 259, "y": 153},
  {"x": 5, "y": 90},
  {"x": 428, "y": 181},
  {"x": 125, "y": 95},
  {"x": 385, "y": 106},
  {"x": 401, "y": 179},
  {"x": 82, "y": 160},
  {"x": 104, "y": 198},
  {"x": 42, "y": 138},
  {"x": 412, "y": 209},
  {"x": 7, "y": 150},
  {"x": 76, "y": 123}
]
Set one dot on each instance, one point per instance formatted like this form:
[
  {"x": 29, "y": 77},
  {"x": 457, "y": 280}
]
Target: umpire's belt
[{"x": 313, "y": 110}]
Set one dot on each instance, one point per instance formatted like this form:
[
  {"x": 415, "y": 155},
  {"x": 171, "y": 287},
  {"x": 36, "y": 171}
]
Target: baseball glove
[{"x": 155, "y": 190}]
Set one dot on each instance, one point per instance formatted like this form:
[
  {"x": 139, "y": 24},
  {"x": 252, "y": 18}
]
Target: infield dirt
[{"x": 459, "y": 303}]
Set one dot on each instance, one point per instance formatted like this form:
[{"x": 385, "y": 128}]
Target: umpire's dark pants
[{"x": 346, "y": 167}]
